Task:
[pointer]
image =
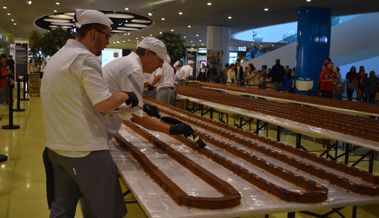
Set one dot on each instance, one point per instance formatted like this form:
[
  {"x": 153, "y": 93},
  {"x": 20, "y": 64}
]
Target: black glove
[
  {"x": 132, "y": 100},
  {"x": 150, "y": 87},
  {"x": 170, "y": 120},
  {"x": 181, "y": 129},
  {"x": 151, "y": 110}
]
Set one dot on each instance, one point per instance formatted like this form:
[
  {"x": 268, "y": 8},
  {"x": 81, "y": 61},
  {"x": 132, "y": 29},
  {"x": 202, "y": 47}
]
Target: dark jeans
[{"x": 349, "y": 93}]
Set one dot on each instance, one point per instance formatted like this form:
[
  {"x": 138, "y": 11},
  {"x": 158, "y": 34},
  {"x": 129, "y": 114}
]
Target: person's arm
[
  {"x": 112, "y": 103},
  {"x": 156, "y": 79},
  {"x": 95, "y": 87},
  {"x": 152, "y": 124}
]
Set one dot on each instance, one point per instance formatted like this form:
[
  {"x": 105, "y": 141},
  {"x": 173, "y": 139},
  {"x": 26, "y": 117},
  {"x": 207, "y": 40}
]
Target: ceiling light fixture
[
  {"x": 209, "y": 3},
  {"x": 197, "y": 35},
  {"x": 180, "y": 13},
  {"x": 160, "y": 33},
  {"x": 189, "y": 26},
  {"x": 57, "y": 3},
  {"x": 29, "y": 2},
  {"x": 229, "y": 17},
  {"x": 309, "y": 0},
  {"x": 184, "y": 37},
  {"x": 12, "y": 20},
  {"x": 15, "y": 24},
  {"x": 163, "y": 19},
  {"x": 150, "y": 14},
  {"x": 266, "y": 9},
  {"x": 9, "y": 14},
  {"x": 55, "y": 11},
  {"x": 126, "y": 9},
  {"x": 172, "y": 30},
  {"x": 4, "y": 7}
]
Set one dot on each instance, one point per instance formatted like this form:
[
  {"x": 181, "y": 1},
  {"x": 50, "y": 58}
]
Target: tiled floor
[{"x": 22, "y": 179}]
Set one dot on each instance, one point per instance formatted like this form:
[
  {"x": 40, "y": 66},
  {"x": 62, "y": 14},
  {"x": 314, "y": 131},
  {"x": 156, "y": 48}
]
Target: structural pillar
[
  {"x": 313, "y": 43},
  {"x": 218, "y": 41}
]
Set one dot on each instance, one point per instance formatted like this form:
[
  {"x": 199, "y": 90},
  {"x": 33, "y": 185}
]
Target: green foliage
[
  {"x": 46, "y": 44},
  {"x": 54, "y": 40},
  {"x": 174, "y": 44},
  {"x": 35, "y": 45}
]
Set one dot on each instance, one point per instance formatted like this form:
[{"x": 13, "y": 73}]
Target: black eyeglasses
[{"x": 108, "y": 35}]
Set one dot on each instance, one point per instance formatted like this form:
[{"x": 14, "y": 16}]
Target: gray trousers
[
  {"x": 93, "y": 179},
  {"x": 166, "y": 95}
]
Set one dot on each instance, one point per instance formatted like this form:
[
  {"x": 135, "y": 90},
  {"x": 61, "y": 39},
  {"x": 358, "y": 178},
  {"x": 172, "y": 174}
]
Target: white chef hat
[
  {"x": 190, "y": 62},
  {"x": 155, "y": 45},
  {"x": 177, "y": 63},
  {"x": 84, "y": 16}
]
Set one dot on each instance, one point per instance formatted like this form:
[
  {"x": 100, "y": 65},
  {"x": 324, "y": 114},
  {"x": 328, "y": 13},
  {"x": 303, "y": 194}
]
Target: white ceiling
[{"x": 245, "y": 14}]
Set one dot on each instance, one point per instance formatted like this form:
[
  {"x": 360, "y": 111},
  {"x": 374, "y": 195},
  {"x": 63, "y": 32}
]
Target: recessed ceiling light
[
  {"x": 9, "y": 14},
  {"x": 229, "y": 17},
  {"x": 15, "y": 24},
  {"x": 189, "y": 26},
  {"x": 57, "y": 3},
  {"x": 4, "y": 7},
  {"x": 193, "y": 45},
  {"x": 29, "y": 2},
  {"x": 12, "y": 20},
  {"x": 199, "y": 40},
  {"x": 191, "y": 41},
  {"x": 160, "y": 33},
  {"x": 126, "y": 9},
  {"x": 202, "y": 44},
  {"x": 172, "y": 30},
  {"x": 180, "y": 13},
  {"x": 150, "y": 14},
  {"x": 185, "y": 37},
  {"x": 128, "y": 33},
  {"x": 55, "y": 11},
  {"x": 309, "y": 0},
  {"x": 197, "y": 35},
  {"x": 266, "y": 9},
  {"x": 163, "y": 18},
  {"x": 151, "y": 34},
  {"x": 209, "y": 3},
  {"x": 129, "y": 40},
  {"x": 123, "y": 41}
]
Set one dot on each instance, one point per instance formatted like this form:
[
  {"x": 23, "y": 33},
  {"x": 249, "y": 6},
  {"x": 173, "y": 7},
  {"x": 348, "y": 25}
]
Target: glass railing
[{"x": 293, "y": 38}]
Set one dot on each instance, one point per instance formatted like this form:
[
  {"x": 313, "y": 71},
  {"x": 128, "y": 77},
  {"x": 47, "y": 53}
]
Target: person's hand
[
  {"x": 132, "y": 100},
  {"x": 150, "y": 87},
  {"x": 181, "y": 129},
  {"x": 151, "y": 110}
]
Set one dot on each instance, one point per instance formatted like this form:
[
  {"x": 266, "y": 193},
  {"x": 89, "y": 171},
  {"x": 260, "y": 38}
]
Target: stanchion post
[
  {"x": 18, "y": 109},
  {"x": 25, "y": 90},
  {"x": 10, "y": 114}
]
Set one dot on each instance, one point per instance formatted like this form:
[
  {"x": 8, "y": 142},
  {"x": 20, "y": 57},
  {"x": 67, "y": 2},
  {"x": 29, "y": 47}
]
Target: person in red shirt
[
  {"x": 327, "y": 80},
  {"x": 4, "y": 74}
]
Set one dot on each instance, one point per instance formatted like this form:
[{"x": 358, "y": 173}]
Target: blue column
[{"x": 313, "y": 43}]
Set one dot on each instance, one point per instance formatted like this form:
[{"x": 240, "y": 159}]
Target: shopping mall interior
[{"x": 304, "y": 145}]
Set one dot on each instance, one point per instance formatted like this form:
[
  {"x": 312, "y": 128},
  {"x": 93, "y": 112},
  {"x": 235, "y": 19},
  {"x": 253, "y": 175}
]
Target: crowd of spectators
[
  {"x": 357, "y": 85},
  {"x": 361, "y": 84}
]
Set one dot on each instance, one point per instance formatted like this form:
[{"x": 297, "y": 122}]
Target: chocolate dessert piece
[
  {"x": 273, "y": 149},
  {"x": 230, "y": 198}
]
